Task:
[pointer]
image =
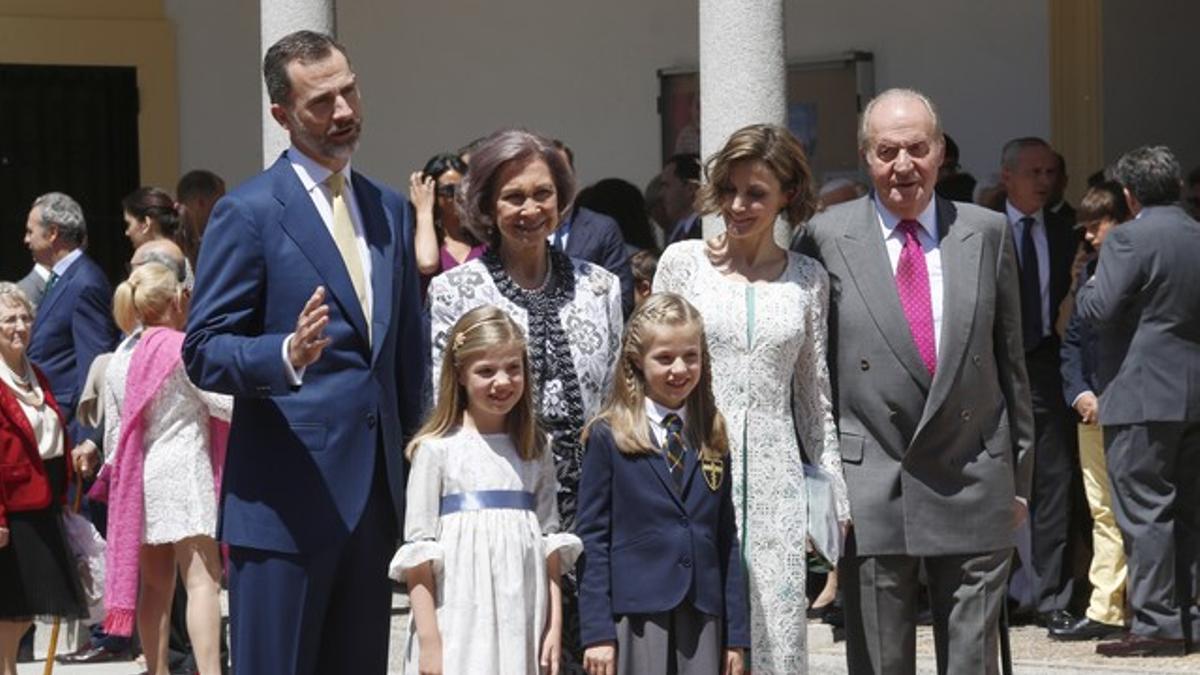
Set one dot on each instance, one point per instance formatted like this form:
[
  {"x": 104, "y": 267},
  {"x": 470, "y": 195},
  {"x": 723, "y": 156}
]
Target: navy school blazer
[{"x": 647, "y": 548}]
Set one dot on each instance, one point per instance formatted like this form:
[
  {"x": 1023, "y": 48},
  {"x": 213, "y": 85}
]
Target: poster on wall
[{"x": 825, "y": 97}]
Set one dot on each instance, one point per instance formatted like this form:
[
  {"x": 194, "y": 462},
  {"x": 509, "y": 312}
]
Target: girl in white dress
[
  {"x": 764, "y": 312},
  {"x": 482, "y": 553},
  {"x": 162, "y": 512}
]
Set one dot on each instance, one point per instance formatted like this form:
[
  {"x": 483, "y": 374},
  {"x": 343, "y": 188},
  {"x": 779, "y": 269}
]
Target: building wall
[
  {"x": 1149, "y": 71},
  {"x": 220, "y": 75},
  {"x": 436, "y": 75}
]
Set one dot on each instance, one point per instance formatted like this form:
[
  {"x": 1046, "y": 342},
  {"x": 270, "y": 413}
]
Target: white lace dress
[
  {"x": 180, "y": 500},
  {"x": 767, "y": 342},
  {"x": 489, "y": 564}
]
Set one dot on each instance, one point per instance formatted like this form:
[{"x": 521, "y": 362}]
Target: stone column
[
  {"x": 278, "y": 18},
  {"x": 743, "y": 76}
]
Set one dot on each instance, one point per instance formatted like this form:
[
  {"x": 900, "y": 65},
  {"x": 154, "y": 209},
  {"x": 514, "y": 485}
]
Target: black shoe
[
  {"x": 1138, "y": 645},
  {"x": 1058, "y": 619},
  {"x": 1086, "y": 629},
  {"x": 90, "y": 654}
]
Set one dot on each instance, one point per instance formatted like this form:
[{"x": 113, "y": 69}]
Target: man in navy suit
[
  {"x": 74, "y": 324},
  {"x": 596, "y": 238},
  {"x": 313, "y": 490},
  {"x": 74, "y": 321},
  {"x": 680, "y": 181}
]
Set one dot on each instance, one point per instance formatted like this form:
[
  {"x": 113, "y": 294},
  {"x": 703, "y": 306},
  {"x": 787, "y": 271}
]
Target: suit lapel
[
  {"x": 382, "y": 244},
  {"x": 51, "y": 299},
  {"x": 304, "y": 225},
  {"x": 960, "y": 249},
  {"x": 867, "y": 264},
  {"x": 691, "y": 460}
]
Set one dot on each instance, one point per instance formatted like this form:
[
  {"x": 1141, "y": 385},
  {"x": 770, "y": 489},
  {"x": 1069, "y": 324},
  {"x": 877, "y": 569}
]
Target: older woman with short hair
[
  {"x": 37, "y": 573},
  {"x": 512, "y": 199}
]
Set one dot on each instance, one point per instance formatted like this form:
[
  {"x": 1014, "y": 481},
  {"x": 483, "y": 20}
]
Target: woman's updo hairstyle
[
  {"x": 776, "y": 147},
  {"x": 477, "y": 194},
  {"x": 146, "y": 297},
  {"x": 157, "y": 205}
]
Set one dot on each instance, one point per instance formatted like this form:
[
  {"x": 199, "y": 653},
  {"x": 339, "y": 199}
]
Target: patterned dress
[
  {"x": 179, "y": 492},
  {"x": 767, "y": 342}
]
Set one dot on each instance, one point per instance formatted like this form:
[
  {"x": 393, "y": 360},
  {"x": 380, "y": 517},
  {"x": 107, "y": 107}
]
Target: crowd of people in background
[{"x": 609, "y": 431}]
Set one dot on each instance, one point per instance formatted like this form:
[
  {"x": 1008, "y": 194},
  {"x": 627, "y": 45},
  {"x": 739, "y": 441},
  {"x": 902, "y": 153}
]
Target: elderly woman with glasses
[
  {"x": 513, "y": 199},
  {"x": 37, "y": 573}
]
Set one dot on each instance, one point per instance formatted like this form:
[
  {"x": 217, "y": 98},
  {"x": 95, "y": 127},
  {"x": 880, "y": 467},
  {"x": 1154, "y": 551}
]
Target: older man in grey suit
[
  {"x": 1146, "y": 310},
  {"x": 932, "y": 395}
]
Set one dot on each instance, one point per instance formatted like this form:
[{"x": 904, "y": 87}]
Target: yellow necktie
[{"x": 343, "y": 236}]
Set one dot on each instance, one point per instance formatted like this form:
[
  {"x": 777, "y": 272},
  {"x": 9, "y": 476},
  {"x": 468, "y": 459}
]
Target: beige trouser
[{"x": 1107, "y": 572}]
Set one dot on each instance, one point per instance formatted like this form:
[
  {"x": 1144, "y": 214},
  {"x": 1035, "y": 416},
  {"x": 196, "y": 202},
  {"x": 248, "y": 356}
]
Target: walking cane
[
  {"x": 1005, "y": 644},
  {"x": 52, "y": 648}
]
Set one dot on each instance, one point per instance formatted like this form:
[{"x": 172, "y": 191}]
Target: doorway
[{"x": 71, "y": 129}]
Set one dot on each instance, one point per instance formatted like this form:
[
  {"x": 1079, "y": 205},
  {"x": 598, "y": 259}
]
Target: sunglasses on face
[{"x": 447, "y": 191}]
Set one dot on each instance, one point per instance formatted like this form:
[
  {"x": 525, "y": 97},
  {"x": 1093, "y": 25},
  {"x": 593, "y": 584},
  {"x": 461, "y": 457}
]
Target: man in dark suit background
[
  {"x": 1045, "y": 245},
  {"x": 74, "y": 324},
  {"x": 933, "y": 408},
  {"x": 680, "y": 180},
  {"x": 1144, "y": 304},
  {"x": 307, "y": 310},
  {"x": 596, "y": 238}
]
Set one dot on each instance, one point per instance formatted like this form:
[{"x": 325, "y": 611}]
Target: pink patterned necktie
[{"x": 912, "y": 283}]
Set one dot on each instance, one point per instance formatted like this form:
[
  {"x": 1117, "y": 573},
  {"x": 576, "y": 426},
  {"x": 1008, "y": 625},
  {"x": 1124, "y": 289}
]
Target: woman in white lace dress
[
  {"x": 764, "y": 313},
  {"x": 513, "y": 198},
  {"x": 178, "y": 486}
]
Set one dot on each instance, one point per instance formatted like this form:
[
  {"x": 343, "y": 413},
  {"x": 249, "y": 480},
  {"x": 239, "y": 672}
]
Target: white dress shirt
[
  {"x": 893, "y": 241},
  {"x": 655, "y": 412},
  {"x": 60, "y": 268},
  {"x": 313, "y": 176},
  {"x": 1042, "y": 245}
]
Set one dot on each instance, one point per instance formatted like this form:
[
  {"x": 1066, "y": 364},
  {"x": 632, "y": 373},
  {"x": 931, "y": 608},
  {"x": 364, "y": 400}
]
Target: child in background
[
  {"x": 644, "y": 263},
  {"x": 482, "y": 553},
  {"x": 661, "y": 583}
]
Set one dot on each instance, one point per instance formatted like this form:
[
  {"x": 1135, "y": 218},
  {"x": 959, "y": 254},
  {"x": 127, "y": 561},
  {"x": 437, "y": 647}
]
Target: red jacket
[{"x": 24, "y": 485}]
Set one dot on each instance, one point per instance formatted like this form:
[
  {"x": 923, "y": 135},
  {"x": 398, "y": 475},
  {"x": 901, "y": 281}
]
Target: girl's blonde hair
[
  {"x": 147, "y": 296},
  {"x": 625, "y": 407},
  {"x": 475, "y": 334}
]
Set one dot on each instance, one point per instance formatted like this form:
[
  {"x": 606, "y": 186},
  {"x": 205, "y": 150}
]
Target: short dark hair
[
  {"x": 1013, "y": 148},
  {"x": 644, "y": 264},
  {"x": 476, "y": 196},
  {"x": 687, "y": 166},
  {"x": 198, "y": 183},
  {"x": 305, "y": 46},
  {"x": 443, "y": 162},
  {"x": 155, "y": 204},
  {"x": 1151, "y": 174},
  {"x": 1105, "y": 200}
]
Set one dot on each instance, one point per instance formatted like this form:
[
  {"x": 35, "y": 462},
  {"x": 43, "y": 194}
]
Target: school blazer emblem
[{"x": 714, "y": 472}]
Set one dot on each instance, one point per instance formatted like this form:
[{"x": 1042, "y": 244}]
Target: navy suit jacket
[
  {"x": 301, "y": 460},
  {"x": 74, "y": 324},
  {"x": 647, "y": 548},
  {"x": 597, "y": 238},
  {"x": 1078, "y": 355}
]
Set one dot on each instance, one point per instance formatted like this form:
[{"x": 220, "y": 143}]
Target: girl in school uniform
[
  {"x": 661, "y": 585},
  {"x": 482, "y": 553}
]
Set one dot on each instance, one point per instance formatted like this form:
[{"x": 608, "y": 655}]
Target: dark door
[{"x": 69, "y": 129}]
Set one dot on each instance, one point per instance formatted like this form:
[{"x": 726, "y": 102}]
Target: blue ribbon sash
[{"x": 487, "y": 499}]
